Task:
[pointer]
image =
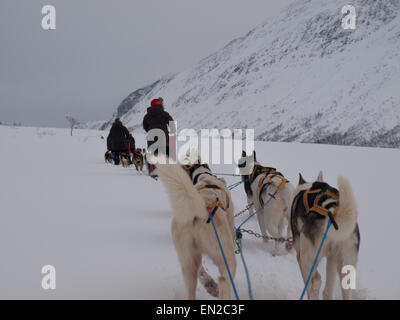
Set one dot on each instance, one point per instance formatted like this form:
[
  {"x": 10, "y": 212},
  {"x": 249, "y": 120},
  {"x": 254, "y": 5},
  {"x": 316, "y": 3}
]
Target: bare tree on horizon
[{"x": 73, "y": 122}]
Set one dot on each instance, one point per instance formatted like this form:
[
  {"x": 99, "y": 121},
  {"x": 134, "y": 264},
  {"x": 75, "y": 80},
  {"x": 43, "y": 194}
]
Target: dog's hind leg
[
  {"x": 277, "y": 243},
  {"x": 224, "y": 282},
  {"x": 307, "y": 256},
  {"x": 348, "y": 257},
  {"x": 190, "y": 268},
  {"x": 224, "y": 288},
  {"x": 261, "y": 223},
  {"x": 250, "y": 204},
  {"x": 330, "y": 277}
]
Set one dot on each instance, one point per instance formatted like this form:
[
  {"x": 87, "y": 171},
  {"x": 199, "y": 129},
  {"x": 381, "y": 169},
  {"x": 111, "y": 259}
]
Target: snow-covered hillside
[
  {"x": 298, "y": 77},
  {"x": 106, "y": 229}
]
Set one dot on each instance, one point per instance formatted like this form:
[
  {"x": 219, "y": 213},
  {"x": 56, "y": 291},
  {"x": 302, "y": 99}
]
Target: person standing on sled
[
  {"x": 156, "y": 123},
  {"x": 117, "y": 140}
]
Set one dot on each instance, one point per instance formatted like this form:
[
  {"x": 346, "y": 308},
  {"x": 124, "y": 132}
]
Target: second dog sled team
[{"x": 194, "y": 191}]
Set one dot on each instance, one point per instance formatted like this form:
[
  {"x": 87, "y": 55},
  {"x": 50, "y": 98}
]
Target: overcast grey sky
[{"x": 102, "y": 50}]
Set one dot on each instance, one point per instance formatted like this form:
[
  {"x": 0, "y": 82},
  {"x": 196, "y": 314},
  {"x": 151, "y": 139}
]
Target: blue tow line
[
  {"x": 316, "y": 259},
  {"x": 272, "y": 196},
  {"x": 246, "y": 270},
  {"x": 223, "y": 255},
  {"x": 238, "y": 183}
]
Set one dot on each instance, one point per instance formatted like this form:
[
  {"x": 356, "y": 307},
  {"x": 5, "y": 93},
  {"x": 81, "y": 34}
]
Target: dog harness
[
  {"x": 196, "y": 177},
  {"x": 218, "y": 202},
  {"x": 213, "y": 207},
  {"x": 264, "y": 170},
  {"x": 316, "y": 206},
  {"x": 269, "y": 181},
  {"x": 313, "y": 199},
  {"x": 262, "y": 185}
]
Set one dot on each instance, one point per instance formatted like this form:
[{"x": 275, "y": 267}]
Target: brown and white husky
[{"x": 308, "y": 225}]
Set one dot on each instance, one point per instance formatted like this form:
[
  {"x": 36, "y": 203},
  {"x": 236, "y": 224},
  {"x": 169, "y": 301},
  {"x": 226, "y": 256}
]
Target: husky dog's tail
[
  {"x": 346, "y": 217},
  {"x": 185, "y": 200}
]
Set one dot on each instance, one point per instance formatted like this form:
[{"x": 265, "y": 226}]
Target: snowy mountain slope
[
  {"x": 106, "y": 229},
  {"x": 298, "y": 77}
]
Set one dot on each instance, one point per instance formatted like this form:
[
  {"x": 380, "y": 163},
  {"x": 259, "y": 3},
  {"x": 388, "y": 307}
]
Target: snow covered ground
[{"x": 106, "y": 229}]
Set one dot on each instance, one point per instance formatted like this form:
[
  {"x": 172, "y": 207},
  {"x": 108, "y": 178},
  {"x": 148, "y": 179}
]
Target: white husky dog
[
  {"x": 260, "y": 183},
  {"x": 312, "y": 204},
  {"x": 192, "y": 232}
]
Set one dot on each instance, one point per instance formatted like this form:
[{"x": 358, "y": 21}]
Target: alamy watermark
[
  {"x": 49, "y": 18},
  {"x": 213, "y": 146},
  {"x": 49, "y": 278},
  {"x": 349, "y": 17}
]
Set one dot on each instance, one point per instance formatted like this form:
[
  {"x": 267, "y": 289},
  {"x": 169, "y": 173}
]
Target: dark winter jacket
[
  {"x": 157, "y": 118},
  {"x": 118, "y": 137}
]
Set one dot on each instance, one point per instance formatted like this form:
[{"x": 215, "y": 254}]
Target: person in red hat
[{"x": 157, "y": 118}]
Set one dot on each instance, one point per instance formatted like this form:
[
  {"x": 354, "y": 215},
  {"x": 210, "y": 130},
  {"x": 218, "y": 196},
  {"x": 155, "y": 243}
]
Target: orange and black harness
[
  {"x": 263, "y": 170},
  {"x": 262, "y": 185},
  {"x": 312, "y": 201}
]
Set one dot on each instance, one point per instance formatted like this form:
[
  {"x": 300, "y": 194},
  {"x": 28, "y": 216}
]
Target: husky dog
[
  {"x": 108, "y": 156},
  {"x": 260, "y": 183},
  {"x": 192, "y": 232},
  {"x": 312, "y": 204},
  {"x": 125, "y": 161},
  {"x": 138, "y": 159}
]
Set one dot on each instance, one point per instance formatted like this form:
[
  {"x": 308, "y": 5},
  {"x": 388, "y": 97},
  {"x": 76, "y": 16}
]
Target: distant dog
[
  {"x": 312, "y": 204},
  {"x": 125, "y": 161},
  {"x": 192, "y": 232},
  {"x": 108, "y": 157},
  {"x": 138, "y": 159},
  {"x": 260, "y": 183}
]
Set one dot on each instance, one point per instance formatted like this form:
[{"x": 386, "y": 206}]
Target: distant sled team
[
  {"x": 195, "y": 192},
  {"x": 121, "y": 144},
  {"x": 121, "y": 148}
]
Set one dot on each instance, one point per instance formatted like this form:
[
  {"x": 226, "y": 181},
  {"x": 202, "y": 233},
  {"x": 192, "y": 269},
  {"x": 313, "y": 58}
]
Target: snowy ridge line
[{"x": 299, "y": 77}]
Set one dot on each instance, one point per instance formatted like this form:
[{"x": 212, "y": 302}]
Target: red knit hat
[{"x": 157, "y": 102}]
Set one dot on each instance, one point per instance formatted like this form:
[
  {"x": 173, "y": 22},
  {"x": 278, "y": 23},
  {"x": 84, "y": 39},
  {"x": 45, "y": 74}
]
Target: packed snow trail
[{"x": 106, "y": 229}]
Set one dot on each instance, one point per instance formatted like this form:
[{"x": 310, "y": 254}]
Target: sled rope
[
  {"x": 211, "y": 217},
  {"x": 239, "y": 239},
  {"x": 239, "y": 244},
  {"x": 238, "y": 183},
  {"x": 316, "y": 259},
  {"x": 272, "y": 196}
]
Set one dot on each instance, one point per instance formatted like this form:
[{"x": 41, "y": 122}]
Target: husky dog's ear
[
  {"x": 199, "y": 160},
  {"x": 301, "y": 179},
  {"x": 320, "y": 177},
  {"x": 243, "y": 153}
]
